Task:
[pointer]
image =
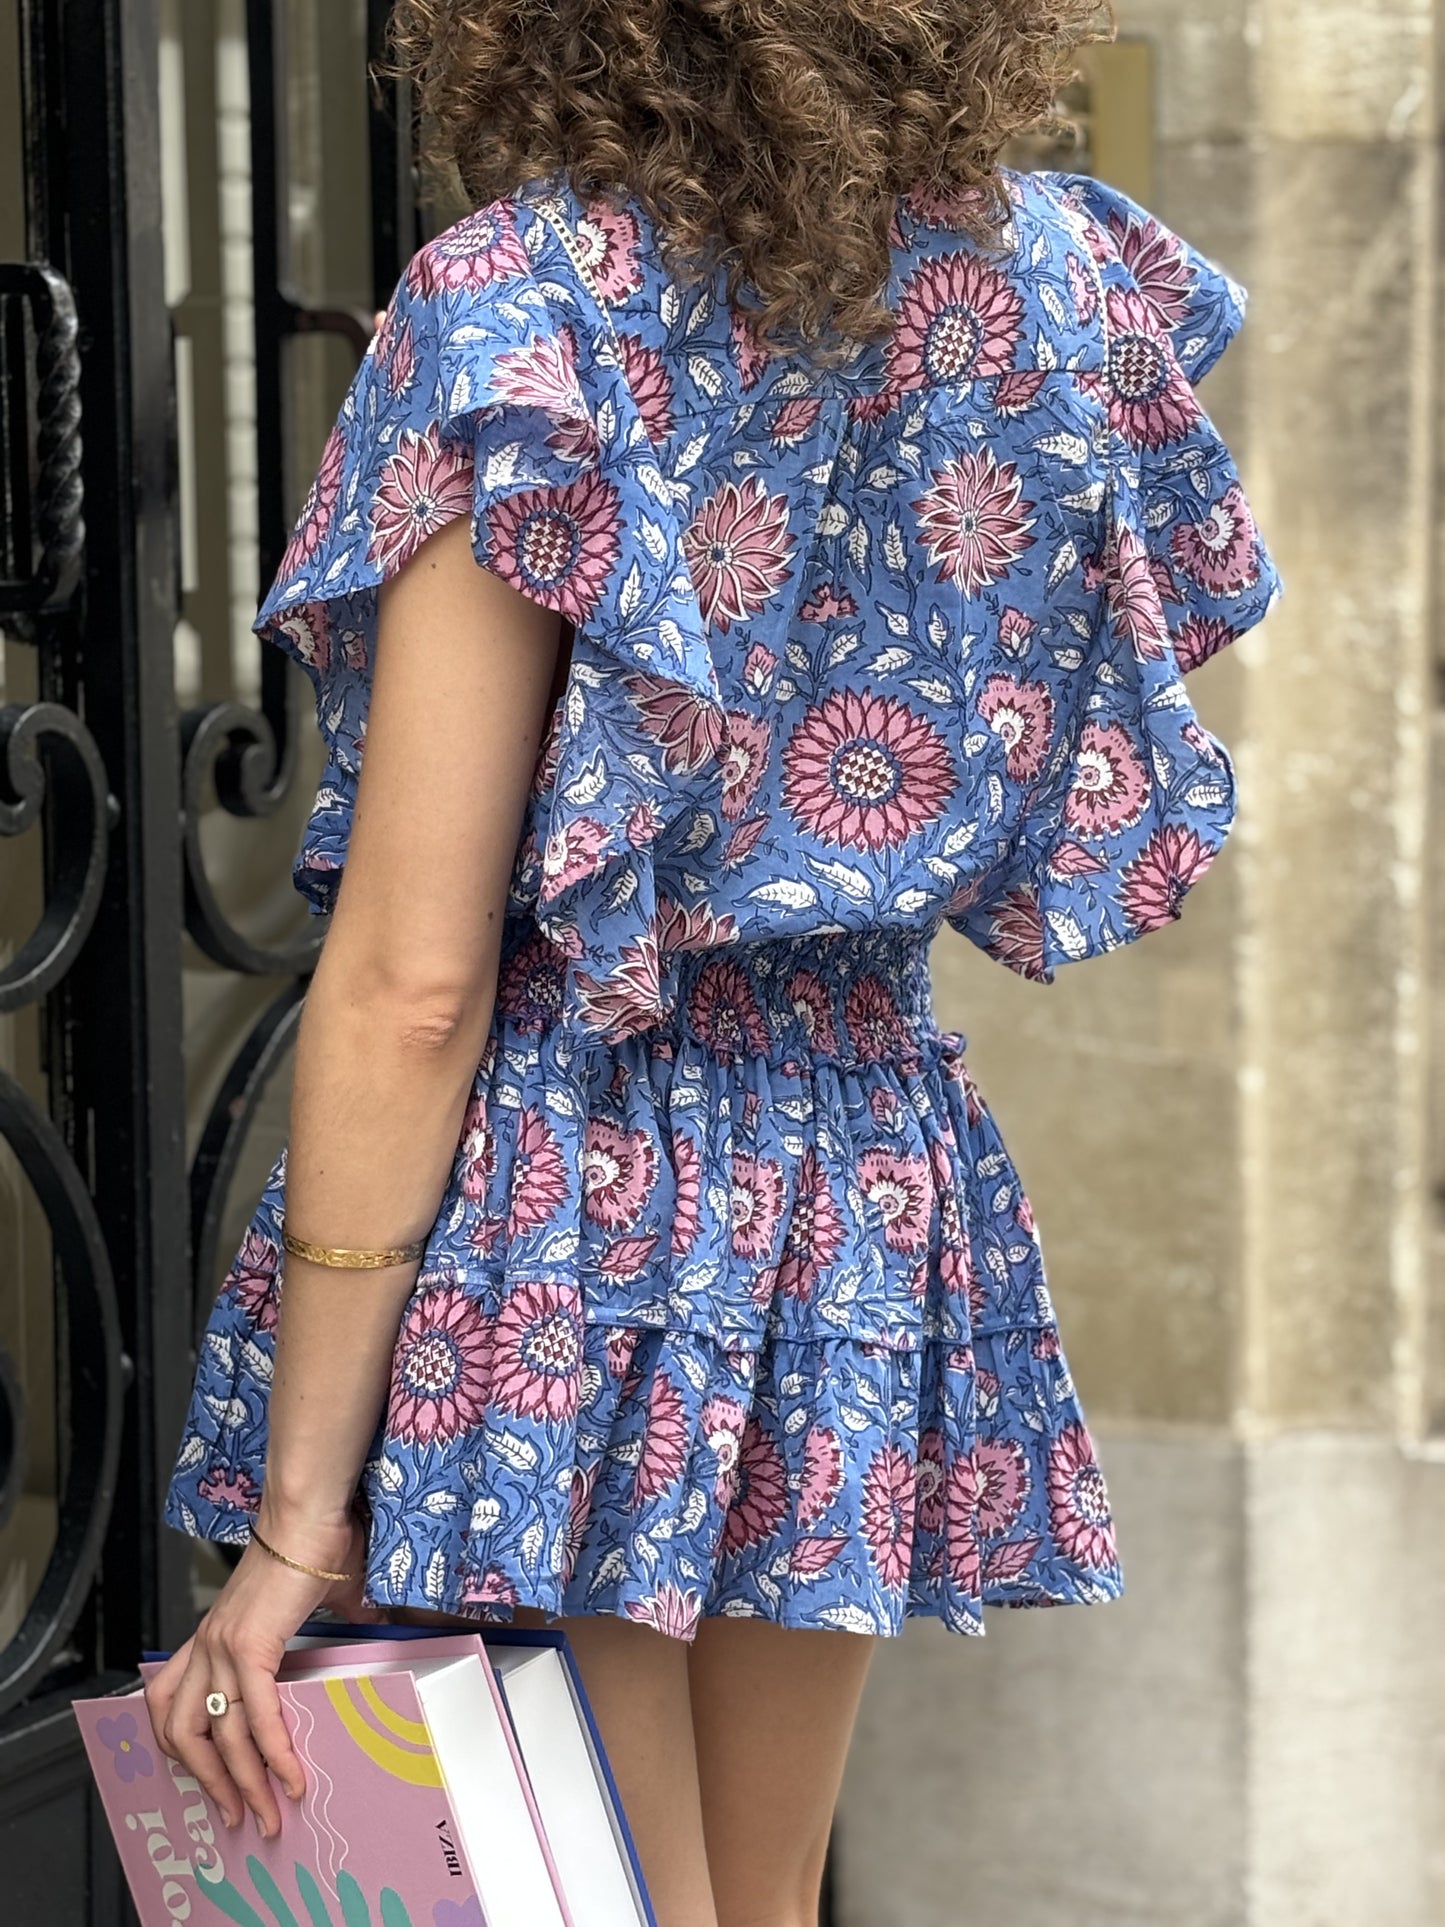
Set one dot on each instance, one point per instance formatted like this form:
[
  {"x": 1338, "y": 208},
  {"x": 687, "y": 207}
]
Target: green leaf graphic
[
  {"x": 393, "y": 1909},
  {"x": 354, "y": 1910},
  {"x": 312, "y": 1898},
  {"x": 268, "y": 1891}
]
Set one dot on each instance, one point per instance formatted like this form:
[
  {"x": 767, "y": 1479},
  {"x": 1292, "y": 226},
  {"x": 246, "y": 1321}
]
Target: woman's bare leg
[{"x": 773, "y": 1709}]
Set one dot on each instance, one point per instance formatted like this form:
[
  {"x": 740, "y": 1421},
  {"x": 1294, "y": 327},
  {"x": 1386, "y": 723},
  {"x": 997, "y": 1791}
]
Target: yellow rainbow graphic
[{"x": 398, "y": 1745}]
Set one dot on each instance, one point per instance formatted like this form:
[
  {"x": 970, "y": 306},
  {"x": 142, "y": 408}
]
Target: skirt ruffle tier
[{"x": 745, "y": 1315}]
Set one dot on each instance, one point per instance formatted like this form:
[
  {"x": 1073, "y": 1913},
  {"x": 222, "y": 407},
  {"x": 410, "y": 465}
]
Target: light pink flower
[
  {"x": 579, "y": 1512},
  {"x": 1015, "y": 631},
  {"x": 477, "y": 1152},
  {"x": 1221, "y": 553},
  {"x": 619, "y": 1169},
  {"x": 959, "y": 319},
  {"x": 474, "y": 252},
  {"x": 865, "y": 771},
  {"x": 1111, "y": 784},
  {"x": 974, "y": 520},
  {"x": 609, "y": 236},
  {"x": 687, "y": 1198},
  {"x": 822, "y": 1473},
  {"x": 928, "y": 1474},
  {"x": 737, "y": 547},
  {"x": 537, "y": 1337},
  {"x": 424, "y": 485},
  {"x": 898, "y": 1184},
  {"x": 1083, "y": 289},
  {"x": 1158, "y": 263},
  {"x": 489, "y": 1588},
  {"x": 758, "y": 668},
  {"x": 888, "y": 1504},
  {"x": 664, "y": 1442},
  {"x": 539, "y": 1175},
  {"x": 557, "y": 545},
  {"x": 757, "y": 1204},
  {"x": 319, "y": 506},
  {"x": 1155, "y": 882},
  {"x": 1079, "y": 1511},
  {"x": 669, "y": 1610},
  {"x": 439, "y": 1368},
  {"x": 1021, "y": 715},
  {"x": 571, "y": 853},
  {"x": 1003, "y": 1484}
]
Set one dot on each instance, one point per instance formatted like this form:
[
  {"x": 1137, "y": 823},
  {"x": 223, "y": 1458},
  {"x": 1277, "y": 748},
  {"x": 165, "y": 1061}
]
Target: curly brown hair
[{"x": 771, "y": 136}]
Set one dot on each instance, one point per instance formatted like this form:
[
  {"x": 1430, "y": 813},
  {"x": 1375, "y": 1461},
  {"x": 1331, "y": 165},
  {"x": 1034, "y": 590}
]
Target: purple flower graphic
[
  {"x": 119, "y": 1735},
  {"x": 458, "y": 1913}
]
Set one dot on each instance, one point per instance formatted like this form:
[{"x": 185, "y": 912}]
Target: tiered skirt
[{"x": 745, "y": 1315}]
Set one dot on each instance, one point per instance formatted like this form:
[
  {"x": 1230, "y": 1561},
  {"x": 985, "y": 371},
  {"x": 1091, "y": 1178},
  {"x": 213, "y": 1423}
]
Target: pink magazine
[{"x": 383, "y": 1835}]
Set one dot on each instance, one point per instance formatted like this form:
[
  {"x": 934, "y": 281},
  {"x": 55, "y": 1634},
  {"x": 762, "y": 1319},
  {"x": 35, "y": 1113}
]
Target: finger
[
  {"x": 233, "y": 1740},
  {"x": 188, "y": 1731},
  {"x": 160, "y": 1692},
  {"x": 263, "y": 1713}
]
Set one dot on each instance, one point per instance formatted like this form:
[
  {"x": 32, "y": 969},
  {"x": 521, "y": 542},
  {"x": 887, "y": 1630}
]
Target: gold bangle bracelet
[
  {"x": 349, "y": 1260},
  {"x": 297, "y": 1565}
]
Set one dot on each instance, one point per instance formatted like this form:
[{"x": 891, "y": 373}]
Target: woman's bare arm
[{"x": 394, "y": 1024}]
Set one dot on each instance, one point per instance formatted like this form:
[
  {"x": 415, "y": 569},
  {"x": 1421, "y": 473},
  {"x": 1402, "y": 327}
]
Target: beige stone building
[{"x": 1231, "y": 1133}]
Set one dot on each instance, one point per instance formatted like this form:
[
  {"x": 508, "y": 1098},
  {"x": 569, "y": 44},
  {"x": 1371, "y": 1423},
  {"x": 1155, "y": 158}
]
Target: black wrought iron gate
[{"x": 108, "y": 773}]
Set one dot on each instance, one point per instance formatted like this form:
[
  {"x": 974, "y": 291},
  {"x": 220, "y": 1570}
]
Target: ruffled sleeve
[
  {"x": 493, "y": 389},
  {"x": 1138, "y": 795}
]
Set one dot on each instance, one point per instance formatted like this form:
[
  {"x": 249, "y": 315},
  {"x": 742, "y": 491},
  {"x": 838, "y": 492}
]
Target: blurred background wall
[{"x": 1231, "y": 1134}]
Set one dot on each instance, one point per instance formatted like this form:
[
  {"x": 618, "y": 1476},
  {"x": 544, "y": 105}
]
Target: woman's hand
[{"x": 237, "y": 1649}]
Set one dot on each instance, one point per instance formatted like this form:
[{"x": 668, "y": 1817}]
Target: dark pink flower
[
  {"x": 721, "y": 1423},
  {"x": 744, "y": 761},
  {"x": 476, "y": 1151},
  {"x": 690, "y": 731},
  {"x": 760, "y": 1500},
  {"x": 1016, "y": 932},
  {"x": 1158, "y": 263},
  {"x": 960, "y": 1504},
  {"x": 1015, "y": 631},
  {"x": 959, "y": 318},
  {"x": 425, "y": 484},
  {"x": 646, "y": 375},
  {"x": 1155, "y": 882},
  {"x": 888, "y": 1505},
  {"x": 752, "y": 357},
  {"x": 619, "y": 1169},
  {"x": 898, "y": 1184},
  {"x": 865, "y": 771},
  {"x": 794, "y": 420},
  {"x": 1021, "y": 715},
  {"x": 813, "y": 1002},
  {"x": 1198, "y": 638},
  {"x": 529, "y": 989},
  {"x": 1111, "y": 783},
  {"x": 826, "y": 603},
  {"x": 1083, "y": 288},
  {"x": 490, "y": 1587},
  {"x": 1150, "y": 399},
  {"x": 723, "y": 1010},
  {"x": 757, "y": 1204},
  {"x": 1079, "y": 1511},
  {"x": 439, "y": 1368},
  {"x": 814, "y": 1237},
  {"x": 579, "y": 1512},
  {"x": 974, "y": 520},
  {"x": 1016, "y": 393},
  {"x": 874, "y": 1021},
  {"x": 758, "y": 669},
  {"x": 928, "y": 1475},
  {"x": 537, "y": 1358},
  {"x": 737, "y": 547},
  {"x": 557, "y": 545},
  {"x": 539, "y": 1175},
  {"x": 1221, "y": 553}
]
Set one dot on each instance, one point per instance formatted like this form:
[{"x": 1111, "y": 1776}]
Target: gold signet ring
[{"x": 216, "y": 1704}]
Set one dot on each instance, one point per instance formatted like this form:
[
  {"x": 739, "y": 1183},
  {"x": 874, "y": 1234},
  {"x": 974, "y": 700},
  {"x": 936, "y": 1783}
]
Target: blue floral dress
[{"x": 734, "y": 1303}]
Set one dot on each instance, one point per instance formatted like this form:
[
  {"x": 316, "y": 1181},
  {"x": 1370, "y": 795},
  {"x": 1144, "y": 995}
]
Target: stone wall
[{"x": 1226, "y": 1132}]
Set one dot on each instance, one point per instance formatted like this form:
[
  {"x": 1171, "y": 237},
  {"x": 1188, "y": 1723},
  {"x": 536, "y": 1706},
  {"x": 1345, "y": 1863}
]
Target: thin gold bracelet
[
  {"x": 297, "y": 1565},
  {"x": 349, "y": 1260}
]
